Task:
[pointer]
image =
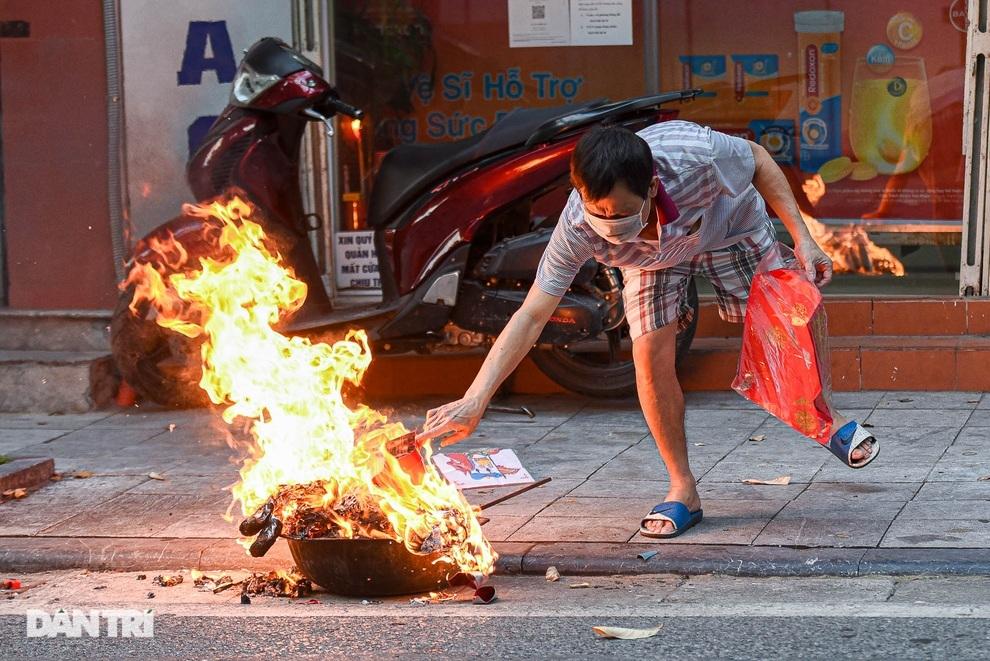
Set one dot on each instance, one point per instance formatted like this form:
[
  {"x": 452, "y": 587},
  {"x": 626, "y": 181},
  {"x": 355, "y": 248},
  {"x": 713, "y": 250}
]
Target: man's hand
[
  {"x": 814, "y": 261},
  {"x": 454, "y": 421}
]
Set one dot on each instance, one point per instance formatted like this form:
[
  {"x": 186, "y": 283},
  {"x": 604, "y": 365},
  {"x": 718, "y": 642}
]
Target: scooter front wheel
[
  {"x": 608, "y": 373},
  {"x": 161, "y": 365}
]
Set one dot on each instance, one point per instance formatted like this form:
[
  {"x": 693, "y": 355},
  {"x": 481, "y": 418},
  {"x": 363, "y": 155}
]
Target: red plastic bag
[{"x": 784, "y": 365}]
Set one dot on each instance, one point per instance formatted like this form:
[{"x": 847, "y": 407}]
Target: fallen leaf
[
  {"x": 783, "y": 480},
  {"x": 868, "y": 425},
  {"x": 552, "y": 575},
  {"x": 699, "y": 445},
  {"x": 905, "y": 400},
  {"x": 758, "y": 437},
  {"x": 82, "y": 475},
  {"x": 56, "y": 477},
  {"x": 842, "y": 535},
  {"x": 983, "y": 478},
  {"x": 575, "y": 586},
  {"x": 646, "y": 555},
  {"x": 15, "y": 493},
  {"x": 622, "y": 633},
  {"x": 156, "y": 476},
  {"x": 171, "y": 426},
  {"x": 972, "y": 401}
]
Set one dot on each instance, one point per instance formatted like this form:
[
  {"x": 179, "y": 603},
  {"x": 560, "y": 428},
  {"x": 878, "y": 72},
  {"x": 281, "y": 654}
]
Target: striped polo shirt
[{"x": 708, "y": 175}]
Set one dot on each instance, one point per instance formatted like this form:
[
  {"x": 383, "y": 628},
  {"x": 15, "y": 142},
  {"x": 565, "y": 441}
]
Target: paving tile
[
  {"x": 865, "y": 491},
  {"x": 633, "y": 468},
  {"x": 946, "y": 509},
  {"x": 15, "y": 439},
  {"x": 919, "y": 417},
  {"x": 878, "y": 472},
  {"x": 500, "y": 528},
  {"x": 825, "y": 530},
  {"x": 719, "y": 418},
  {"x": 57, "y": 502},
  {"x": 802, "y": 471},
  {"x": 201, "y": 525},
  {"x": 980, "y": 418},
  {"x": 728, "y": 399},
  {"x": 134, "y": 515},
  {"x": 612, "y": 508},
  {"x": 808, "y": 521},
  {"x": 917, "y": 400},
  {"x": 189, "y": 485},
  {"x": 575, "y": 529},
  {"x": 160, "y": 419},
  {"x": 984, "y": 403},
  {"x": 938, "y": 533},
  {"x": 971, "y": 490},
  {"x": 714, "y": 529},
  {"x": 525, "y": 504},
  {"x": 961, "y": 463},
  {"x": 68, "y": 422},
  {"x": 861, "y": 399},
  {"x": 598, "y": 486},
  {"x": 747, "y": 492}
]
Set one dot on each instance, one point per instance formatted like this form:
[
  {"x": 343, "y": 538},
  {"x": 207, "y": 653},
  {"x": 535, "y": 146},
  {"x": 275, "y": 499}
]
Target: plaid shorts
[{"x": 654, "y": 299}]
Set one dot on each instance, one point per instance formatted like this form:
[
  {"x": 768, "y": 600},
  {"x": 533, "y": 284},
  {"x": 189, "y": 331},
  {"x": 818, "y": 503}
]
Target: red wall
[{"x": 53, "y": 96}]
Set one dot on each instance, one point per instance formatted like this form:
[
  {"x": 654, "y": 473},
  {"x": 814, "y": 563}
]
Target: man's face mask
[{"x": 620, "y": 230}]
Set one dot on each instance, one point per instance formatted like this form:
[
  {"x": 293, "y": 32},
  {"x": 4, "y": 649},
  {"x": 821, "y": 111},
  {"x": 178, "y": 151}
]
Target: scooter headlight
[{"x": 249, "y": 84}]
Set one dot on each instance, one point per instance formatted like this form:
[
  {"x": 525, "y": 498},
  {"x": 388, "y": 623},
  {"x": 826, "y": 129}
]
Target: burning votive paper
[{"x": 482, "y": 468}]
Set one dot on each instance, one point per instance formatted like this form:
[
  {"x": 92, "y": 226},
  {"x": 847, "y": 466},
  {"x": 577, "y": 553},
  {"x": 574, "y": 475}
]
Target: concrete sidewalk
[{"x": 920, "y": 508}]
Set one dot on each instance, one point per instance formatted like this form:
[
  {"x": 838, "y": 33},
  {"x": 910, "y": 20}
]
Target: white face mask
[{"x": 618, "y": 230}]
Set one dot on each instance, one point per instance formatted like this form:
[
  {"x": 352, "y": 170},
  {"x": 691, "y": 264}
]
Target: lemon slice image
[
  {"x": 835, "y": 170},
  {"x": 862, "y": 172}
]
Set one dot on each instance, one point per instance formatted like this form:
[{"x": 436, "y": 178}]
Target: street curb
[
  {"x": 26, "y": 472},
  {"x": 33, "y": 554}
]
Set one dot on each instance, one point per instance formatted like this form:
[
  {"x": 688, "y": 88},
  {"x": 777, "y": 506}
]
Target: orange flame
[
  {"x": 850, "y": 248},
  {"x": 289, "y": 389}
]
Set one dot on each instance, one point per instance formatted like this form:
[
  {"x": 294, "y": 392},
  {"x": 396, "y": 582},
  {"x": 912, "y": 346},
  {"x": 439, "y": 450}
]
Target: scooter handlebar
[{"x": 332, "y": 105}]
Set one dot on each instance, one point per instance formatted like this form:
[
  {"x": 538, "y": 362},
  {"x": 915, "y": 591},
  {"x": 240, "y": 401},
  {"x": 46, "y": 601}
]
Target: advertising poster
[
  {"x": 178, "y": 66},
  {"x": 861, "y": 100}
]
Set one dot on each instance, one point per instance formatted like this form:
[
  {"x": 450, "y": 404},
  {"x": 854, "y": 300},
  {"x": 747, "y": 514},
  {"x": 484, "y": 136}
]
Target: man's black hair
[{"x": 606, "y": 155}]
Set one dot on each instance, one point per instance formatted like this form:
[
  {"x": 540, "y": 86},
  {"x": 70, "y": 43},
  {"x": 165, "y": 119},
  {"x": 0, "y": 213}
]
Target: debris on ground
[
  {"x": 623, "y": 633},
  {"x": 983, "y": 478},
  {"x": 552, "y": 574},
  {"x": 756, "y": 438},
  {"x": 483, "y": 593},
  {"x": 82, "y": 475},
  {"x": 210, "y": 584},
  {"x": 10, "y": 584},
  {"x": 167, "y": 581},
  {"x": 171, "y": 426},
  {"x": 278, "y": 584},
  {"x": 781, "y": 481},
  {"x": 245, "y": 599},
  {"x": 575, "y": 586},
  {"x": 142, "y": 577},
  {"x": 156, "y": 476},
  {"x": 432, "y": 598},
  {"x": 151, "y": 595},
  {"x": 16, "y": 494},
  {"x": 646, "y": 555}
]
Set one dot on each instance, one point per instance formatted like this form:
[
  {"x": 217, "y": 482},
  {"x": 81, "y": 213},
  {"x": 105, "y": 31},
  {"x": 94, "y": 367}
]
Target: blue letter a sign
[{"x": 195, "y": 60}]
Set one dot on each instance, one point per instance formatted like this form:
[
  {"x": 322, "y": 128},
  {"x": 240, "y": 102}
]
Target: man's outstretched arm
[{"x": 459, "y": 418}]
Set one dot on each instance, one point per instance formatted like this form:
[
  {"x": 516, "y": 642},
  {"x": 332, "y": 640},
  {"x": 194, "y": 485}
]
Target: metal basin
[{"x": 368, "y": 567}]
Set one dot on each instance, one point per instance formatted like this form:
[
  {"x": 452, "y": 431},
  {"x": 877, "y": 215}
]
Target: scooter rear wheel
[
  {"x": 161, "y": 365},
  {"x": 596, "y": 374}
]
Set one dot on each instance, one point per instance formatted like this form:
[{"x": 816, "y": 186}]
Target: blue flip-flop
[
  {"x": 677, "y": 513},
  {"x": 849, "y": 437}
]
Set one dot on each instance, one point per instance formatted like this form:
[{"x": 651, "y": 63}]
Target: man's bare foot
[
  {"x": 687, "y": 495},
  {"x": 862, "y": 451}
]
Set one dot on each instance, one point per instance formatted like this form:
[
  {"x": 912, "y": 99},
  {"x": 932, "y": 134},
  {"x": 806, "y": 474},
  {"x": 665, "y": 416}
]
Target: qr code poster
[{"x": 539, "y": 23}]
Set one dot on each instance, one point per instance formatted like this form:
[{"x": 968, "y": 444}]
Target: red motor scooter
[{"x": 459, "y": 231}]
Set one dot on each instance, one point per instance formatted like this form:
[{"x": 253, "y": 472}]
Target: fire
[
  {"x": 289, "y": 391},
  {"x": 850, "y": 248}
]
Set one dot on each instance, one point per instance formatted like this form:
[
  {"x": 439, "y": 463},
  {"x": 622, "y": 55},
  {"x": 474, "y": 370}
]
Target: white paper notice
[
  {"x": 539, "y": 23},
  {"x": 601, "y": 23},
  {"x": 482, "y": 468}
]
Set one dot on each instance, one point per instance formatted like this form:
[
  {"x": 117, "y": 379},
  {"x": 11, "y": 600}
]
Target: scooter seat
[{"x": 407, "y": 171}]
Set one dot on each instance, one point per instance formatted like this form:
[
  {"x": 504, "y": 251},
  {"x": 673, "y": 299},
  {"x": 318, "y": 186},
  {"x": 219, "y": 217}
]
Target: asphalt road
[
  {"x": 519, "y": 637},
  {"x": 706, "y": 616}
]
